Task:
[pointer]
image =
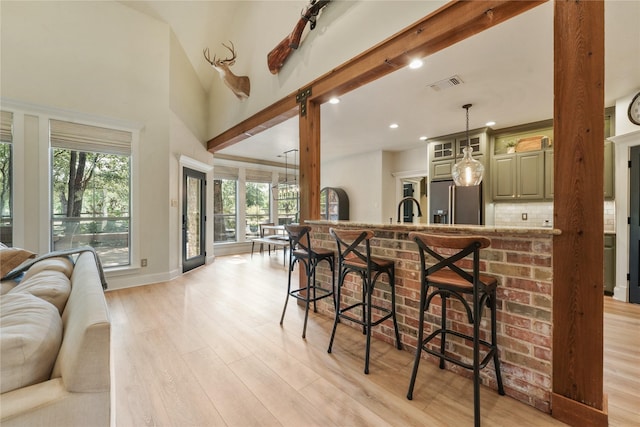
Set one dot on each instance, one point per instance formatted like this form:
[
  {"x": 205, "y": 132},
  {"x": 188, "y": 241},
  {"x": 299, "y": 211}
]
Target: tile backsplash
[{"x": 540, "y": 214}]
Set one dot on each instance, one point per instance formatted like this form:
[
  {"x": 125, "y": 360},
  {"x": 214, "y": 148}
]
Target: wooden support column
[
  {"x": 309, "y": 125},
  {"x": 578, "y": 292}
]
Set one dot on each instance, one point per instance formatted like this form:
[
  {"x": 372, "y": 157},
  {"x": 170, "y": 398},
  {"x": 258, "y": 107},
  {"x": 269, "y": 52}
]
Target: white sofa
[{"x": 73, "y": 388}]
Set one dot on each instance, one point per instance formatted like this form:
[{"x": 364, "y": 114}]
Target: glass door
[{"x": 193, "y": 219}]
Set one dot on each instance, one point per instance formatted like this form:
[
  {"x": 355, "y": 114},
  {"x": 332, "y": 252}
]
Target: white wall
[
  {"x": 344, "y": 30},
  {"x": 371, "y": 182},
  {"x": 360, "y": 176},
  {"x": 109, "y": 63}
]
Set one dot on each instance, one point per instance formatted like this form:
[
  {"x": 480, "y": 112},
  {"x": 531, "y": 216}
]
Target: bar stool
[
  {"x": 300, "y": 252},
  {"x": 351, "y": 259},
  {"x": 449, "y": 280}
]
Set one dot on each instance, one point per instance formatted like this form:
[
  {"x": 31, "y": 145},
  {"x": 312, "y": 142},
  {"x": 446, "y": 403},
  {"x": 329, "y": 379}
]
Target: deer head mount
[{"x": 239, "y": 85}]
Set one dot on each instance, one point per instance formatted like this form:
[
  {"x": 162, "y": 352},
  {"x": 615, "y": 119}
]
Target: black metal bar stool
[
  {"x": 351, "y": 259},
  {"x": 449, "y": 280},
  {"x": 300, "y": 252}
]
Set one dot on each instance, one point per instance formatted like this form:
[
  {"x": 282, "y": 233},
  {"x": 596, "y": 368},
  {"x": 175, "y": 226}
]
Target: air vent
[{"x": 446, "y": 83}]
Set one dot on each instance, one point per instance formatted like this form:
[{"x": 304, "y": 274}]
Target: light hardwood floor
[{"x": 207, "y": 349}]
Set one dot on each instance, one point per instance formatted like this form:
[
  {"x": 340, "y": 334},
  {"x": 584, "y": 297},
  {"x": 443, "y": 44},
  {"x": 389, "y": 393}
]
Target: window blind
[
  {"x": 6, "y": 123},
  {"x": 255, "y": 175},
  {"x": 225, "y": 172},
  {"x": 80, "y": 137}
]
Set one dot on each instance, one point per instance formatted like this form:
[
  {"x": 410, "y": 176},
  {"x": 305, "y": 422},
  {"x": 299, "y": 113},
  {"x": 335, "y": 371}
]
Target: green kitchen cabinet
[
  {"x": 445, "y": 151},
  {"x": 609, "y": 168},
  {"x": 503, "y": 177},
  {"x": 518, "y": 176},
  {"x": 548, "y": 174},
  {"x": 441, "y": 169},
  {"x": 609, "y": 263}
]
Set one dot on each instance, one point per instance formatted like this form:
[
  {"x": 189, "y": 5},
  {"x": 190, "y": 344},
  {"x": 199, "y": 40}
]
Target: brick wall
[{"x": 521, "y": 261}]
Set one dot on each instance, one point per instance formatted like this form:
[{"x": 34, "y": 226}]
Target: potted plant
[{"x": 511, "y": 146}]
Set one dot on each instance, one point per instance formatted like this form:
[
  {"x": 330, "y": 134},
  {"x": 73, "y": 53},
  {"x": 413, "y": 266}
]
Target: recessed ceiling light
[
  {"x": 423, "y": 138},
  {"x": 490, "y": 123},
  {"x": 334, "y": 100},
  {"x": 393, "y": 125},
  {"x": 416, "y": 63}
]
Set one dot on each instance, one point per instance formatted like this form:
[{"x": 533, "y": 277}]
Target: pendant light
[
  {"x": 468, "y": 171},
  {"x": 287, "y": 189}
]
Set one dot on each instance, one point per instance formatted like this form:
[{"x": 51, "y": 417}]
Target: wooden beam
[
  {"x": 446, "y": 26},
  {"x": 263, "y": 120},
  {"x": 578, "y": 290}
]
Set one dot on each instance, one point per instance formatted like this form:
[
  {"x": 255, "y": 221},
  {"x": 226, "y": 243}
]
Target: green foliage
[
  {"x": 104, "y": 191},
  {"x": 229, "y": 196},
  {"x": 257, "y": 197},
  {"x": 5, "y": 180}
]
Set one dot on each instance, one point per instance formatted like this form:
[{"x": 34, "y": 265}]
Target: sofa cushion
[
  {"x": 50, "y": 285},
  {"x": 30, "y": 337},
  {"x": 10, "y": 258},
  {"x": 62, "y": 264},
  {"x": 7, "y": 285}
]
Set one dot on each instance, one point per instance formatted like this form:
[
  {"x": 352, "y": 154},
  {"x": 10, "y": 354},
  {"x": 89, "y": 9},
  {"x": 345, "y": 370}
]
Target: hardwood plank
[
  {"x": 171, "y": 384},
  {"x": 132, "y": 401},
  {"x": 284, "y": 402},
  {"x": 622, "y": 361},
  {"x": 230, "y": 396},
  {"x": 236, "y": 366}
]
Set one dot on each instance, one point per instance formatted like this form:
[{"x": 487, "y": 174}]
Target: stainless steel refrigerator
[{"x": 450, "y": 204}]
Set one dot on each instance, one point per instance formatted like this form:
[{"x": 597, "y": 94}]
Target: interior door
[
  {"x": 194, "y": 197},
  {"x": 407, "y": 208},
  {"x": 634, "y": 226}
]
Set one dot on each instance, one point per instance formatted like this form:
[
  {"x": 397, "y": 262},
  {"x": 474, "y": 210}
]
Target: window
[
  {"x": 91, "y": 190},
  {"x": 287, "y": 203},
  {"x": 257, "y": 196},
  {"x": 6, "y": 211},
  {"x": 225, "y": 196}
]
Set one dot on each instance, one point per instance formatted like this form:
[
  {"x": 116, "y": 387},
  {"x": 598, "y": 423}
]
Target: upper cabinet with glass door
[{"x": 444, "y": 151}]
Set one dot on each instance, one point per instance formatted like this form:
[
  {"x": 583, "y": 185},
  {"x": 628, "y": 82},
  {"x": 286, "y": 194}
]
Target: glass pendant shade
[{"x": 468, "y": 171}]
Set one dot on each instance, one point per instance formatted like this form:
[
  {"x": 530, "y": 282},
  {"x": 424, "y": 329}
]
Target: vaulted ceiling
[{"x": 506, "y": 73}]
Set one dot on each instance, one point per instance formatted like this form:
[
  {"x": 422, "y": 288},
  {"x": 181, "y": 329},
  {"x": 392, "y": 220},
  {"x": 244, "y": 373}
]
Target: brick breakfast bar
[{"x": 520, "y": 258}]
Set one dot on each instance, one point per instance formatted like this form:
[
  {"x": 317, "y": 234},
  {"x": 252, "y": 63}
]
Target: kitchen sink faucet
[{"x": 403, "y": 201}]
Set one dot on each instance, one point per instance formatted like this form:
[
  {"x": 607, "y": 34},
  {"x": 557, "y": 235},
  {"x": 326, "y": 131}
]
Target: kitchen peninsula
[{"x": 521, "y": 260}]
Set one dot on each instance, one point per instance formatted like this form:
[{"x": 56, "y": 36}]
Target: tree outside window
[
  {"x": 6, "y": 173},
  {"x": 257, "y": 206},
  {"x": 90, "y": 203},
  {"x": 6, "y": 215},
  {"x": 224, "y": 210}
]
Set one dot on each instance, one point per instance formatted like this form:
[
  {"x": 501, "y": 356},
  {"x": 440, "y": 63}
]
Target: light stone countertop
[{"x": 480, "y": 229}]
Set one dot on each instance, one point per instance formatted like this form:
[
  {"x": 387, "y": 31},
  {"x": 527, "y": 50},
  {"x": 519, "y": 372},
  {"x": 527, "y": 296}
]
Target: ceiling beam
[{"x": 442, "y": 28}]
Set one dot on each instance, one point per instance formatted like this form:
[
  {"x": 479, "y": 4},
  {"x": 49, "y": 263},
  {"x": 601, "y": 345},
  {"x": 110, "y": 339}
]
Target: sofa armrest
[
  {"x": 49, "y": 403},
  {"x": 83, "y": 362}
]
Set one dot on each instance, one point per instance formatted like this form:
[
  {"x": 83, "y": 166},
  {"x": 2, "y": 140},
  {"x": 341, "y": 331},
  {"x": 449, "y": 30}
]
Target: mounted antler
[{"x": 240, "y": 85}]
